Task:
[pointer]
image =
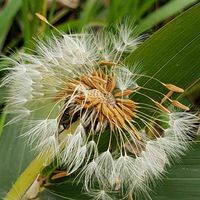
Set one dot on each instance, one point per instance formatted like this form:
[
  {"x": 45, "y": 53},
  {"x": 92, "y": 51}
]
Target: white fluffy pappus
[{"x": 82, "y": 79}]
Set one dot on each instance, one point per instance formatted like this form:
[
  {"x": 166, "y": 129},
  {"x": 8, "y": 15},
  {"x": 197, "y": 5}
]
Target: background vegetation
[{"x": 172, "y": 53}]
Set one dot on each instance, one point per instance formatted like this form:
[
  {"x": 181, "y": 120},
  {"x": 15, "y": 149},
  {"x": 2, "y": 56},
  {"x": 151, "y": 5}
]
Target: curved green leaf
[
  {"x": 183, "y": 180},
  {"x": 6, "y": 17},
  {"x": 14, "y": 157},
  {"x": 172, "y": 53},
  {"x": 168, "y": 10}
]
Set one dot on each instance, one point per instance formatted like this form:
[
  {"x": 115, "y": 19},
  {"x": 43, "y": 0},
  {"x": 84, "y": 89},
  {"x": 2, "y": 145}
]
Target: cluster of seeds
[
  {"x": 80, "y": 104},
  {"x": 110, "y": 106}
]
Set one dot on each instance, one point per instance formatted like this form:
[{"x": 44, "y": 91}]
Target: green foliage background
[{"x": 171, "y": 54}]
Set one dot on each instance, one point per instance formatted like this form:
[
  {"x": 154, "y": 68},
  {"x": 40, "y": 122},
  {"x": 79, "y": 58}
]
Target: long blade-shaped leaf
[
  {"x": 6, "y": 16},
  {"x": 168, "y": 10}
]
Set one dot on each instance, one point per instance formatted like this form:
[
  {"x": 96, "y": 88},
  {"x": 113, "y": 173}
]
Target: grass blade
[
  {"x": 168, "y": 10},
  {"x": 6, "y": 17}
]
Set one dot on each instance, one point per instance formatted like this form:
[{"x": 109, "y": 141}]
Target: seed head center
[{"x": 106, "y": 97}]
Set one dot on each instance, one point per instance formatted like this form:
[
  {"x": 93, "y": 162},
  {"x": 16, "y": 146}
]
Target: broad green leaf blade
[
  {"x": 170, "y": 9},
  {"x": 172, "y": 53},
  {"x": 6, "y": 16},
  {"x": 183, "y": 180}
]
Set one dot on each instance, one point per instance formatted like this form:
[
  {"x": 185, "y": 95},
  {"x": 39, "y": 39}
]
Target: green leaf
[
  {"x": 66, "y": 190},
  {"x": 90, "y": 9},
  {"x": 172, "y": 53},
  {"x": 117, "y": 9},
  {"x": 183, "y": 180},
  {"x": 144, "y": 8},
  {"x": 2, "y": 120},
  {"x": 26, "y": 23},
  {"x": 14, "y": 157},
  {"x": 170, "y": 9},
  {"x": 6, "y": 17},
  {"x": 193, "y": 94}
]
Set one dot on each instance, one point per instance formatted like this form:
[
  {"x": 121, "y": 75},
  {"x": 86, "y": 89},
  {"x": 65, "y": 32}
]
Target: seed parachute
[{"x": 97, "y": 116}]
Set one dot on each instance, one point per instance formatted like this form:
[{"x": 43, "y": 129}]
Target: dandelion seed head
[{"x": 119, "y": 144}]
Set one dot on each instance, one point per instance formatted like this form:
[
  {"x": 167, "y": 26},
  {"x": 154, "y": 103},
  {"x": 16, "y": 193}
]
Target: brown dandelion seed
[
  {"x": 107, "y": 63},
  {"x": 124, "y": 93},
  {"x": 167, "y": 96},
  {"x": 173, "y": 88},
  {"x": 179, "y": 105},
  {"x": 59, "y": 174}
]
